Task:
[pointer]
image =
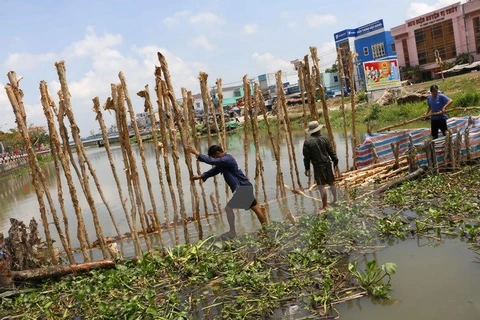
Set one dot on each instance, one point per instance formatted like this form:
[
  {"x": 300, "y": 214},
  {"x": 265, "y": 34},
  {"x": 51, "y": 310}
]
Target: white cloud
[
  {"x": 316, "y": 20},
  {"x": 24, "y": 60},
  {"x": 284, "y": 14},
  {"x": 420, "y": 8},
  {"x": 250, "y": 28},
  {"x": 202, "y": 42},
  {"x": 102, "y": 68},
  {"x": 270, "y": 63},
  {"x": 327, "y": 53},
  {"x": 291, "y": 25},
  {"x": 193, "y": 18},
  {"x": 205, "y": 17},
  {"x": 177, "y": 16}
]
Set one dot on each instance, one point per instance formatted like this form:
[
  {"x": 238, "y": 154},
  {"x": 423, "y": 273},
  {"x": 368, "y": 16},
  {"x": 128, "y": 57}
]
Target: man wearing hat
[{"x": 318, "y": 151}]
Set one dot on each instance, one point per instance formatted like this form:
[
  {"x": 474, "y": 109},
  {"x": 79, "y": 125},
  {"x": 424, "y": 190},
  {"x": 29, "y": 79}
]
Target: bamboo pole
[
  {"x": 82, "y": 159},
  {"x": 148, "y": 107},
  {"x": 316, "y": 70},
  {"x": 138, "y": 205},
  {"x": 15, "y": 96},
  {"x": 196, "y": 143},
  {"x": 457, "y": 149},
  {"x": 163, "y": 131},
  {"x": 288, "y": 132},
  {"x": 246, "y": 109},
  {"x": 352, "y": 57},
  {"x": 120, "y": 118},
  {"x": 133, "y": 121},
  {"x": 103, "y": 128},
  {"x": 169, "y": 102},
  {"x": 467, "y": 144},
  {"x": 310, "y": 91},
  {"x": 203, "y": 77},
  {"x": 56, "y": 150},
  {"x": 344, "y": 115},
  {"x": 259, "y": 162},
  {"x": 275, "y": 147},
  {"x": 222, "y": 113}
]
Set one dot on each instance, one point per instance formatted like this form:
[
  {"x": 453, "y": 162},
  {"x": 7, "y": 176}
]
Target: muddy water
[{"x": 431, "y": 283}]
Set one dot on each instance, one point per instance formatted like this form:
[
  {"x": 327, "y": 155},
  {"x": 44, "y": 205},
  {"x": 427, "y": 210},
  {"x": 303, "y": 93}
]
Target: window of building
[
  {"x": 198, "y": 105},
  {"x": 393, "y": 47},
  {"x": 378, "y": 50},
  {"x": 422, "y": 57},
  {"x": 437, "y": 31},
  {"x": 365, "y": 51},
  {"x": 476, "y": 31},
  {"x": 405, "y": 52},
  {"x": 419, "y": 35},
  {"x": 335, "y": 78}
]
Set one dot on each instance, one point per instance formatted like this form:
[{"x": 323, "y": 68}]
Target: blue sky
[{"x": 226, "y": 39}]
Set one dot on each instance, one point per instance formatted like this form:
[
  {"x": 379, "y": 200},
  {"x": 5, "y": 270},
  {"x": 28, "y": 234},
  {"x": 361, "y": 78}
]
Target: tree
[{"x": 333, "y": 69}]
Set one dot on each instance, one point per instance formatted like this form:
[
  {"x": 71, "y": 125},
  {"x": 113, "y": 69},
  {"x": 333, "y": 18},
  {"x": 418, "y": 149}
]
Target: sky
[{"x": 226, "y": 39}]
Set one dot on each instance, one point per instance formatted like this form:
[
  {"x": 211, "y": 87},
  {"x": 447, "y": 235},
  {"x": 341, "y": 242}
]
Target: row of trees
[{"x": 13, "y": 143}]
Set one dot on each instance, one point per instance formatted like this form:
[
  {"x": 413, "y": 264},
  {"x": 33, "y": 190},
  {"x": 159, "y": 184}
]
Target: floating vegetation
[{"x": 254, "y": 276}]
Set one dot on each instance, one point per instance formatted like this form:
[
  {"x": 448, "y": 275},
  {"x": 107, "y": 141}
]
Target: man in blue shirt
[
  {"x": 243, "y": 197},
  {"x": 438, "y": 102}
]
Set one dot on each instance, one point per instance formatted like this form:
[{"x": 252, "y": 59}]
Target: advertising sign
[
  {"x": 381, "y": 74},
  {"x": 360, "y": 31}
]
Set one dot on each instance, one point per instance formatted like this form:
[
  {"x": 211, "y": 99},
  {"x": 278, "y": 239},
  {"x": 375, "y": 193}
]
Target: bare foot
[{"x": 321, "y": 211}]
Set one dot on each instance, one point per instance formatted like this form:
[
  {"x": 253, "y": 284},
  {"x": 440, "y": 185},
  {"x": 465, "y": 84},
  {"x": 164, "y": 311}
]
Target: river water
[{"x": 433, "y": 281}]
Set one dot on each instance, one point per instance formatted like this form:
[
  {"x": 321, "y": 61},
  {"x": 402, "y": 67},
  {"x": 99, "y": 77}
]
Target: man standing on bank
[
  {"x": 318, "y": 151},
  {"x": 243, "y": 195},
  {"x": 438, "y": 102}
]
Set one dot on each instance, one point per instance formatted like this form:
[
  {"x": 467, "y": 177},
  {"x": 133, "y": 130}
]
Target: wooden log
[
  {"x": 255, "y": 134},
  {"x": 15, "y": 96},
  {"x": 399, "y": 181},
  {"x": 61, "y": 270},
  {"x": 426, "y": 116},
  {"x": 222, "y": 113},
  {"x": 302, "y": 90}
]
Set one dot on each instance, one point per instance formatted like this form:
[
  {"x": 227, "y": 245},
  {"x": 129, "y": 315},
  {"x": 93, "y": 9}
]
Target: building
[
  {"x": 371, "y": 43},
  {"x": 444, "y": 33},
  {"x": 331, "y": 81}
]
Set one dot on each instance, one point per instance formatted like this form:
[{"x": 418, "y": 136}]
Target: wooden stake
[
  {"x": 169, "y": 102},
  {"x": 222, "y": 113},
  {"x": 131, "y": 168},
  {"x": 196, "y": 143},
  {"x": 344, "y": 115},
  {"x": 56, "y": 150},
  {"x": 15, "y": 96},
  {"x": 108, "y": 150},
  {"x": 352, "y": 57},
  {"x": 246, "y": 109},
  {"x": 149, "y": 108},
  {"x": 302, "y": 93},
  {"x": 286, "y": 121},
  {"x": 311, "y": 92},
  {"x": 259, "y": 162}
]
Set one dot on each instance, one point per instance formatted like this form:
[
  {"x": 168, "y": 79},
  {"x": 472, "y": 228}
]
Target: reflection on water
[{"x": 433, "y": 282}]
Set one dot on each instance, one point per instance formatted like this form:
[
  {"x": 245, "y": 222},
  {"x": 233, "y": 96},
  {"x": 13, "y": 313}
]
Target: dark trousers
[{"x": 438, "y": 124}]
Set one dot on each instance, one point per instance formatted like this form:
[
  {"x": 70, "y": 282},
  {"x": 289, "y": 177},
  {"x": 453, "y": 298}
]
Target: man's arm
[
  {"x": 210, "y": 173},
  {"x": 448, "y": 102},
  {"x": 428, "y": 107},
  {"x": 306, "y": 157},
  {"x": 331, "y": 153}
]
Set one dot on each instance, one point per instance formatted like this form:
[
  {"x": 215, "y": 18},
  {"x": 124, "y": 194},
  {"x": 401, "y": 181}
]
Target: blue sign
[
  {"x": 360, "y": 31},
  {"x": 366, "y": 29},
  {"x": 262, "y": 77}
]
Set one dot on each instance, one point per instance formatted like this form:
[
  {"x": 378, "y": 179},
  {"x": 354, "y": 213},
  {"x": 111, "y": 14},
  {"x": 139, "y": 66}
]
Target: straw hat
[{"x": 313, "y": 127}]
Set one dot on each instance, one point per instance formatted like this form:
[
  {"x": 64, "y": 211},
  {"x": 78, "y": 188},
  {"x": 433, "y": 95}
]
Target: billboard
[
  {"x": 358, "y": 32},
  {"x": 381, "y": 74}
]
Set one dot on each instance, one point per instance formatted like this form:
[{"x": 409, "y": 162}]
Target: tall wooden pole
[
  {"x": 222, "y": 113},
  {"x": 301, "y": 83},
  {"x": 61, "y": 71},
  {"x": 310, "y": 91},
  {"x": 15, "y": 95},
  {"x": 352, "y": 57},
  {"x": 316, "y": 70},
  {"x": 246, "y": 110},
  {"x": 344, "y": 115}
]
